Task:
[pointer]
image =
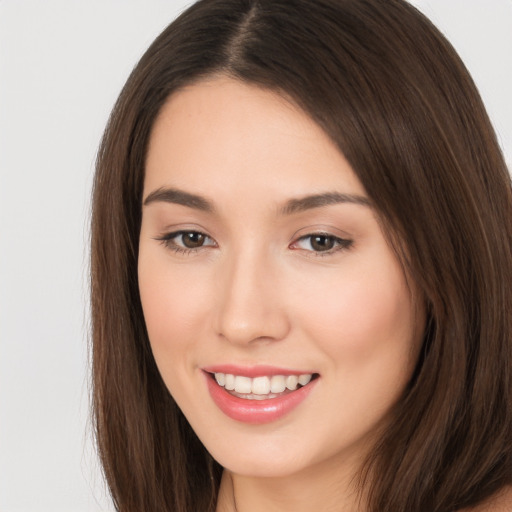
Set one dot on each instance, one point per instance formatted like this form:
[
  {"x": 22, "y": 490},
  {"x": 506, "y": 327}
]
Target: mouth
[
  {"x": 263, "y": 387},
  {"x": 263, "y": 397}
]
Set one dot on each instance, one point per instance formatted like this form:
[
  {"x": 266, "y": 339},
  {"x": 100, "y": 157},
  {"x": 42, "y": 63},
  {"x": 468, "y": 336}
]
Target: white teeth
[
  {"x": 243, "y": 384},
  {"x": 304, "y": 379},
  {"x": 291, "y": 382},
  {"x": 277, "y": 384},
  {"x": 261, "y": 385},
  {"x": 229, "y": 382}
]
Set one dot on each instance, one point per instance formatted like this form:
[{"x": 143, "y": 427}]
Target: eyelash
[
  {"x": 339, "y": 244},
  {"x": 168, "y": 241}
]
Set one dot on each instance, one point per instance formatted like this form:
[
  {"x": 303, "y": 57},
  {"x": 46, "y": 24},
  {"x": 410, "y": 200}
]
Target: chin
[
  {"x": 258, "y": 456},
  {"x": 257, "y": 468}
]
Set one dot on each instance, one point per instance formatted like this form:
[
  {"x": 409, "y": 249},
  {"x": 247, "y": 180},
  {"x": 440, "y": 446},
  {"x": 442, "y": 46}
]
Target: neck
[{"x": 318, "y": 488}]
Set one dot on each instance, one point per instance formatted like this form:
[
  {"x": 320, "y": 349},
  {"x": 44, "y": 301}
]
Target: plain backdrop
[{"x": 62, "y": 64}]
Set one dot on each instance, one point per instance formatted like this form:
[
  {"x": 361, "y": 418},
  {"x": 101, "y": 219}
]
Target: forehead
[{"x": 242, "y": 135}]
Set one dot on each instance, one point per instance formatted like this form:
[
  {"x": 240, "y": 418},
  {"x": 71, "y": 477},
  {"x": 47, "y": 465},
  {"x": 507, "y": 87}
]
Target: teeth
[
  {"x": 304, "y": 379},
  {"x": 229, "y": 381},
  {"x": 291, "y": 382},
  {"x": 261, "y": 385},
  {"x": 243, "y": 384},
  {"x": 277, "y": 384}
]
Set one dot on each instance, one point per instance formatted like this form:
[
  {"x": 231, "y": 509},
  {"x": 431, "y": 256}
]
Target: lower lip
[{"x": 256, "y": 411}]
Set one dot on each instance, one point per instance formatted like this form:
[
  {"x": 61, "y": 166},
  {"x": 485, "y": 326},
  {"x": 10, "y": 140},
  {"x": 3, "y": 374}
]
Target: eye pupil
[
  {"x": 193, "y": 239},
  {"x": 322, "y": 242}
]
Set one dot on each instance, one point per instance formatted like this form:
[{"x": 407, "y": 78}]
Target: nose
[{"x": 251, "y": 306}]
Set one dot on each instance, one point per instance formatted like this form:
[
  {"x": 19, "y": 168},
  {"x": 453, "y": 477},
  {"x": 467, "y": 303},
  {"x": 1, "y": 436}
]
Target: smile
[
  {"x": 259, "y": 398},
  {"x": 261, "y": 388}
]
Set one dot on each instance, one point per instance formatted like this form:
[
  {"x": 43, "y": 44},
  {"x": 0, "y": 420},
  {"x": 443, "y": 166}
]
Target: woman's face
[{"x": 262, "y": 261}]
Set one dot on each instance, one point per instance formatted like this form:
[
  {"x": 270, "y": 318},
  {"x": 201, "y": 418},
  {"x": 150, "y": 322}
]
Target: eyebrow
[
  {"x": 172, "y": 195},
  {"x": 319, "y": 200},
  {"x": 176, "y": 196}
]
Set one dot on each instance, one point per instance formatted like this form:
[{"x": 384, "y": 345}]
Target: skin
[{"x": 259, "y": 292}]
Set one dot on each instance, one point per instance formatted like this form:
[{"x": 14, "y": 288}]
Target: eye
[
  {"x": 321, "y": 243},
  {"x": 191, "y": 240},
  {"x": 186, "y": 241}
]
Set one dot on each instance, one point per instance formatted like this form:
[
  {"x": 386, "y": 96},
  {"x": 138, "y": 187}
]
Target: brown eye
[
  {"x": 186, "y": 241},
  {"x": 322, "y": 242},
  {"x": 193, "y": 239}
]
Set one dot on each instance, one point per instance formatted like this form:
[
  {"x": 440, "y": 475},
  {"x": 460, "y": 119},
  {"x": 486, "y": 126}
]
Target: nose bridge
[{"x": 249, "y": 306}]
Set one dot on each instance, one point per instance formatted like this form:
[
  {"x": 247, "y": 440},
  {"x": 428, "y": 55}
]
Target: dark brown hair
[{"x": 391, "y": 92}]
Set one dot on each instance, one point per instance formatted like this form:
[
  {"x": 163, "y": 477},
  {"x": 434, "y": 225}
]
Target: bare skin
[
  {"x": 259, "y": 246},
  {"x": 301, "y": 494},
  {"x": 278, "y": 260},
  {"x": 501, "y": 502}
]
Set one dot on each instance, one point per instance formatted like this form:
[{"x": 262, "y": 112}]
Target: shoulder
[{"x": 500, "y": 502}]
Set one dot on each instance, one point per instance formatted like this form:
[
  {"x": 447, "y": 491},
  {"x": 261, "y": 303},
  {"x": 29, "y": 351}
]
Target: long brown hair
[{"x": 391, "y": 92}]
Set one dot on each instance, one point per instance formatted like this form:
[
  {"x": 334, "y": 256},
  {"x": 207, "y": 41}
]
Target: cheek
[
  {"x": 369, "y": 333},
  {"x": 174, "y": 305},
  {"x": 365, "y": 321}
]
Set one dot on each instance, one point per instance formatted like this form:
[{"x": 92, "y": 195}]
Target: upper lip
[{"x": 253, "y": 371}]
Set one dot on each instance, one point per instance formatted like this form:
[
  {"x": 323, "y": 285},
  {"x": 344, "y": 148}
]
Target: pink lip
[
  {"x": 252, "y": 371},
  {"x": 256, "y": 411}
]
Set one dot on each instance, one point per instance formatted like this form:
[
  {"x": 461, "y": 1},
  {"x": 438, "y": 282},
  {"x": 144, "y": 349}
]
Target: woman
[{"x": 301, "y": 265}]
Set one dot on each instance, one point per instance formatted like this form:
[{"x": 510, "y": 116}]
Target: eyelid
[
  {"x": 320, "y": 229},
  {"x": 167, "y": 239},
  {"x": 342, "y": 241},
  {"x": 340, "y": 244}
]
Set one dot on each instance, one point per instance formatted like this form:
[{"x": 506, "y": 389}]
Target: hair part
[{"x": 393, "y": 95}]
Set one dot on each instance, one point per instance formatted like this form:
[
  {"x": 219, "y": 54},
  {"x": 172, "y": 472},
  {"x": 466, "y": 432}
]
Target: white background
[{"x": 62, "y": 64}]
